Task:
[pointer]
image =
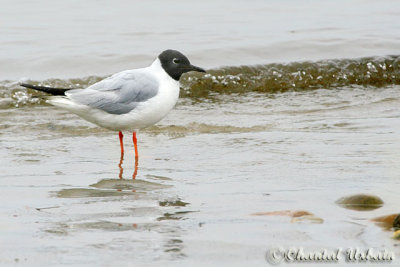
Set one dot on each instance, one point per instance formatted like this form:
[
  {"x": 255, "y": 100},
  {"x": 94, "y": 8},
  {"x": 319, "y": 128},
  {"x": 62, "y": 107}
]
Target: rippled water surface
[
  {"x": 300, "y": 108},
  {"x": 202, "y": 172}
]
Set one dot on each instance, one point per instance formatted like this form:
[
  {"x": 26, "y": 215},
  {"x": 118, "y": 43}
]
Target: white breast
[{"x": 153, "y": 110}]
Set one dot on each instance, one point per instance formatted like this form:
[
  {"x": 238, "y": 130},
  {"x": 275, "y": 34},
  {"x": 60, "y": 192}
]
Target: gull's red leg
[
  {"x": 136, "y": 156},
  {"x": 121, "y": 142},
  {"x": 135, "y": 143}
]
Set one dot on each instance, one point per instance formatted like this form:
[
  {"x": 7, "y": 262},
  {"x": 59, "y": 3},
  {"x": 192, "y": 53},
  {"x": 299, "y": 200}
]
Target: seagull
[{"x": 129, "y": 100}]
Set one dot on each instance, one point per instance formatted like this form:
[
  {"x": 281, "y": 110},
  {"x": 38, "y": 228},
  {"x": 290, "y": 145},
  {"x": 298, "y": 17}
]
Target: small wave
[{"x": 271, "y": 78}]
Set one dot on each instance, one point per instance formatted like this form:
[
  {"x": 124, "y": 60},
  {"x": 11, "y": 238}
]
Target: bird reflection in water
[{"x": 121, "y": 169}]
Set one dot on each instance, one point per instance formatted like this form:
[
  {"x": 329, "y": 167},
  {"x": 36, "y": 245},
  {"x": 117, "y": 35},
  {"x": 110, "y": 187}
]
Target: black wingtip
[
  {"x": 26, "y": 85},
  {"x": 49, "y": 90}
]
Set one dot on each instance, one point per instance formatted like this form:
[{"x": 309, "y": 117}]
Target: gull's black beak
[{"x": 194, "y": 68}]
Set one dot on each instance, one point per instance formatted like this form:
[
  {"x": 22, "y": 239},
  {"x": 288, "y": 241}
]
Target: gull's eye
[{"x": 175, "y": 61}]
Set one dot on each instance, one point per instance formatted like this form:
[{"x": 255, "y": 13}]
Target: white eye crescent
[{"x": 175, "y": 61}]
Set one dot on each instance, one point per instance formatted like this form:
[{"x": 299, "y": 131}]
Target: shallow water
[
  {"x": 248, "y": 139},
  {"x": 202, "y": 172}
]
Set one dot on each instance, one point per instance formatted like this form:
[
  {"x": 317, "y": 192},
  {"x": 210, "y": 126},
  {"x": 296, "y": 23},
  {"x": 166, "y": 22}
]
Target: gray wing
[{"x": 118, "y": 94}]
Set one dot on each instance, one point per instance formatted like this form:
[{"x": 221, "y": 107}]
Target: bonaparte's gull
[{"x": 129, "y": 100}]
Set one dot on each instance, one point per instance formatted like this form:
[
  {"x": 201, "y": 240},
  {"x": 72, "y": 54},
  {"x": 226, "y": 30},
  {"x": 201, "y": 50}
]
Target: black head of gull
[{"x": 175, "y": 64}]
